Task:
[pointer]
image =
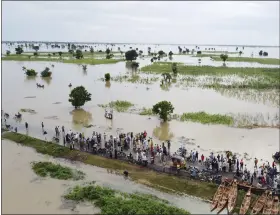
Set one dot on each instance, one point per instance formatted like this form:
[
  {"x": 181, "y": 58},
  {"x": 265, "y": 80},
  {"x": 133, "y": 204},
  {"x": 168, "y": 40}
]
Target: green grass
[
  {"x": 27, "y": 110},
  {"x": 206, "y": 118},
  {"x": 159, "y": 181},
  {"x": 271, "y": 61},
  {"x": 57, "y": 171},
  {"x": 219, "y": 52},
  {"x": 90, "y": 61},
  {"x": 119, "y": 105},
  {"x": 64, "y": 54},
  {"x": 115, "y": 202},
  {"x": 255, "y": 78},
  {"x": 146, "y": 111}
]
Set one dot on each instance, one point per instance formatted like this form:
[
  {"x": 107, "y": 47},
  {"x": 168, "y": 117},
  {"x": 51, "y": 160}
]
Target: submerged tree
[
  {"x": 170, "y": 54},
  {"x": 108, "y": 51},
  {"x": 131, "y": 55},
  {"x": 91, "y": 50},
  {"x": 164, "y": 109},
  {"x": 79, "y": 96},
  {"x": 8, "y": 52},
  {"x": 180, "y": 49},
  {"x": 260, "y": 53},
  {"x": 60, "y": 54},
  {"x": 46, "y": 73},
  {"x": 107, "y": 77},
  {"x": 30, "y": 72}
]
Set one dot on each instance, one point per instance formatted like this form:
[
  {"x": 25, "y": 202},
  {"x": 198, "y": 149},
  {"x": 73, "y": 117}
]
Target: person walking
[
  {"x": 256, "y": 162},
  {"x": 241, "y": 164}
]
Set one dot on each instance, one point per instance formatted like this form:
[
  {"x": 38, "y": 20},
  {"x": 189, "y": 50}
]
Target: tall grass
[
  {"x": 114, "y": 202},
  {"x": 119, "y": 105},
  {"x": 206, "y": 118},
  {"x": 57, "y": 171}
]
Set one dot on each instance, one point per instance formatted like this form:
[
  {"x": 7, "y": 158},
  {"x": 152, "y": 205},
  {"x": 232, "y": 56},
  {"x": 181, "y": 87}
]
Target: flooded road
[
  {"x": 25, "y": 192},
  {"x": 52, "y": 107}
]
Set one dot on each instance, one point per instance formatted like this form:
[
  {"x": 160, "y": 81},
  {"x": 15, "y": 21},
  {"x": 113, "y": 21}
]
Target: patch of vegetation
[
  {"x": 46, "y": 72},
  {"x": 206, "y": 118},
  {"x": 115, "y": 202},
  {"x": 119, "y": 105},
  {"x": 27, "y": 110},
  {"x": 271, "y": 61},
  {"x": 107, "y": 77},
  {"x": 79, "y": 96},
  {"x": 90, "y": 61},
  {"x": 57, "y": 171},
  {"x": 31, "y": 72},
  {"x": 146, "y": 111},
  {"x": 255, "y": 78}
]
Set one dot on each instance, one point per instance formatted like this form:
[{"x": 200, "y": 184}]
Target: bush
[
  {"x": 35, "y": 54},
  {"x": 8, "y": 52},
  {"x": 131, "y": 55},
  {"x": 30, "y": 72},
  {"x": 46, "y": 72},
  {"x": 199, "y": 52},
  {"x": 107, "y": 77}
]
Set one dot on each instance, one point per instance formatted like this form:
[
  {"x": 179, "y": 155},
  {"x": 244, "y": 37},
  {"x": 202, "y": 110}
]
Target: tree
[
  {"x": 198, "y": 52},
  {"x": 161, "y": 53},
  {"x": 8, "y": 52},
  {"x": 19, "y": 50},
  {"x": 170, "y": 54},
  {"x": 36, "y": 48},
  {"x": 60, "y": 54},
  {"x": 265, "y": 54},
  {"x": 166, "y": 76},
  {"x": 260, "y": 53},
  {"x": 84, "y": 67},
  {"x": 174, "y": 69},
  {"x": 79, "y": 96},
  {"x": 46, "y": 72},
  {"x": 107, "y": 77},
  {"x": 224, "y": 57},
  {"x": 91, "y": 50},
  {"x": 108, "y": 51},
  {"x": 164, "y": 109},
  {"x": 79, "y": 54},
  {"x": 35, "y": 54},
  {"x": 131, "y": 55},
  {"x": 180, "y": 49},
  {"x": 71, "y": 51}
]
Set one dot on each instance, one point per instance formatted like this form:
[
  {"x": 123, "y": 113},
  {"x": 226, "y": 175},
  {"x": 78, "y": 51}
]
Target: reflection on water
[
  {"x": 47, "y": 80},
  {"x": 30, "y": 78},
  {"x": 81, "y": 117},
  {"x": 163, "y": 132},
  {"x": 108, "y": 84}
]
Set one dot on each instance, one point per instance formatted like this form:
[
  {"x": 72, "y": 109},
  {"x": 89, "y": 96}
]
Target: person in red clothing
[
  {"x": 145, "y": 134},
  {"x": 273, "y": 164},
  {"x": 202, "y": 159}
]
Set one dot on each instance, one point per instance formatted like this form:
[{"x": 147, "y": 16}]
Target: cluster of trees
[
  {"x": 19, "y": 50},
  {"x": 263, "y": 53}
]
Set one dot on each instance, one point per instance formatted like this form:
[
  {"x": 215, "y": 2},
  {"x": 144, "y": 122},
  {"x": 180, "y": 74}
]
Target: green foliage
[
  {"x": 46, "y": 72},
  {"x": 113, "y": 202},
  {"x": 79, "y": 54},
  {"x": 224, "y": 57},
  {"x": 164, "y": 109},
  {"x": 91, "y": 50},
  {"x": 120, "y": 106},
  {"x": 170, "y": 53},
  {"x": 167, "y": 77},
  {"x": 206, "y": 118},
  {"x": 79, "y": 96},
  {"x": 49, "y": 55},
  {"x": 131, "y": 55},
  {"x": 19, "y": 50},
  {"x": 8, "y": 52},
  {"x": 35, "y": 54},
  {"x": 60, "y": 54},
  {"x": 36, "y": 48},
  {"x": 109, "y": 56},
  {"x": 107, "y": 77},
  {"x": 57, "y": 171},
  {"x": 30, "y": 72},
  {"x": 161, "y": 53},
  {"x": 71, "y": 51},
  {"x": 146, "y": 111},
  {"x": 108, "y": 51}
]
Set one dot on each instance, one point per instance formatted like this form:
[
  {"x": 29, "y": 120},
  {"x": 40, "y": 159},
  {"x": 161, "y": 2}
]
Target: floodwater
[
  {"x": 53, "y": 108},
  {"x": 26, "y": 193}
]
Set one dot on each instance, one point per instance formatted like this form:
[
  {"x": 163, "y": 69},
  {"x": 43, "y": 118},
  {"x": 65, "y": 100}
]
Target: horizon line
[{"x": 197, "y": 44}]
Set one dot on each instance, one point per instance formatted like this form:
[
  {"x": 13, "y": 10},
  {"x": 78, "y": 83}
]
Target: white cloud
[{"x": 143, "y": 21}]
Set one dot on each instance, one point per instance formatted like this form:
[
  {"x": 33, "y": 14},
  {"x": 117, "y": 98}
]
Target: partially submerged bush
[
  {"x": 107, "y": 77},
  {"x": 8, "y": 52},
  {"x": 199, "y": 52},
  {"x": 31, "y": 72},
  {"x": 46, "y": 72}
]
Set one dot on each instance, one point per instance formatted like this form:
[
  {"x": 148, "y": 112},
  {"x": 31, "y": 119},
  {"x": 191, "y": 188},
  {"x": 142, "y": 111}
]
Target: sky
[{"x": 168, "y": 22}]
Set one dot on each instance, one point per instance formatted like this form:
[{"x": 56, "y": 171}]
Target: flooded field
[
  {"x": 52, "y": 107},
  {"x": 30, "y": 193}
]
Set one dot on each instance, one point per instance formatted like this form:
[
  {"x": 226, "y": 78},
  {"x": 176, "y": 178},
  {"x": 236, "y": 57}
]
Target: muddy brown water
[
  {"x": 26, "y": 193},
  {"x": 53, "y": 108}
]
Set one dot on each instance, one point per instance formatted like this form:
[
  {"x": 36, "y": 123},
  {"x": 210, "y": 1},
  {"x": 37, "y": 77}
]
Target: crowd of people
[{"x": 142, "y": 148}]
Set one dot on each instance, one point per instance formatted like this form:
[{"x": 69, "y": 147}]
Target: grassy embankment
[
  {"x": 64, "y": 54},
  {"x": 90, "y": 61},
  {"x": 271, "y": 61},
  {"x": 114, "y": 202},
  {"x": 160, "y": 181},
  {"x": 254, "y": 78},
  {"x": 119, "y": 105},
  {"x": 57, "y": 171}
]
